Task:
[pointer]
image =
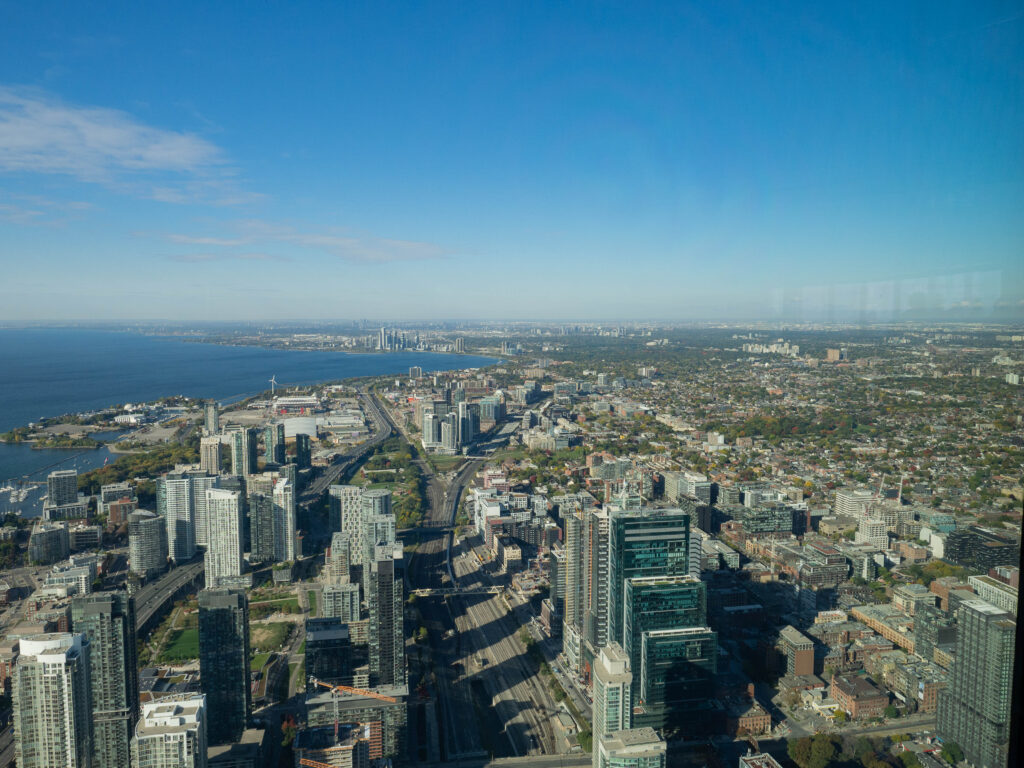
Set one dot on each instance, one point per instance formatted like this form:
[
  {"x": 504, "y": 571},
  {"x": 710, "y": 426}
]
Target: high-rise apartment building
[
  {"x": 243, "y": 450},
  {"x": 597, "y": 526},
  {"x": 303, "y": 451},
  {"x": 209, "y": 454},
  {"x": 284, "y": 522},
  {"x": 974, "y": 708},
  {"x": 469, "y": 422},
  {"x": 343, "y": 512},
  {"x": 450, "y": 433},
  {"x": 378, "y": 530},
  {"x": 633, "y": 748},
  {"x": 175, "y": 504},
  {"x": 62, "y": 488},
  {"x": 107, "y": 619},
  {"x": 328, "y": 653},
  {"x": 338, "y": 559},
  {"x": 171, "y": 733},
  {"x": 201, "y": 483},
  {"x": 273, "y": 443},
  {"x": 385, "y": 598},
  {"x": 261, "y": 527},
  {"x": 147, "y": 543},
  {"x": 340, "y": 601},
  {"x": 613, "y": 683},
  {"x": 224, "y": 661},
  {"x": 224, "y": 558},
  {"x": 51, "y": 701},
  {"x": 431, "y": 430},
  {"x": 211, "y": 417},
  {"x": 48, "y": 543},
  {"x": 374, "y": 511},
  {"x": 574, "y": 605},
  {"x": 853, "y": 502},
  {"x": 873, "y": 532}
]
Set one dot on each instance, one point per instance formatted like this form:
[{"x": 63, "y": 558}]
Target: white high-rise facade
[
  {"x": 284, "y": 521},
  {"x": 171, "y": 733},
  {"x": 613, "y": 683},
  {"x": 377, "y": 523},
  {"x": 633, "y": 748},
  {"x": 52, "y": 702},
  {"x": 200, "y": 485},
  {"x": 175, "y": 503},
  {"x": 338, "y": 560},
  {"x": 224, "y": 551}
]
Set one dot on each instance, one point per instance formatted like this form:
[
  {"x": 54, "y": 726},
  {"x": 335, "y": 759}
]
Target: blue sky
[{"x": 684, "y": 161}]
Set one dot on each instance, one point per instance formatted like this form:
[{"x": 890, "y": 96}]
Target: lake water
[{"x": 53, "y": 371}]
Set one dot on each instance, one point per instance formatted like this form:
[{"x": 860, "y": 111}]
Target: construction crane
[{"x": 355, "y": 691}]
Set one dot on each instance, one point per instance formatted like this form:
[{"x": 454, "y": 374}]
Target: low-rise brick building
[{"x": 858, "y": 697}]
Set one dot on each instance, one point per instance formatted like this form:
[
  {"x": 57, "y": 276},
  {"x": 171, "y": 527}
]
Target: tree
[
  {"x": 814, "y": 752},
  {"x": 891, "y": 712},
  {"x": 800, "y": 751},
  {"x": 952, "y": 753}
]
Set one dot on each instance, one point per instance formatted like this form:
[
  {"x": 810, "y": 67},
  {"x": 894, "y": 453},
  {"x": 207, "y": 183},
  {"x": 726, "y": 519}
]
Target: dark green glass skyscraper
[
  {"x": 303, "y": 452},
  {"x": 672, "y": 652},
  {"x": 660, "y": 602},
  {"x": 107, "y": 619},
  {"x": 224, "y": 662},
  {"x": 648, "y": 542},
  {"x": 677, "y": 681}
]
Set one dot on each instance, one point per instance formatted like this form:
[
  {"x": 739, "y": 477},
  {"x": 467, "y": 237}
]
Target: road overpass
[{"x": 152, "y": 599}]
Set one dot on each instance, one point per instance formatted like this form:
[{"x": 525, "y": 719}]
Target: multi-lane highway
[
  {"x": 152, "y": 597},
  {"x": 381, "y": 432}
]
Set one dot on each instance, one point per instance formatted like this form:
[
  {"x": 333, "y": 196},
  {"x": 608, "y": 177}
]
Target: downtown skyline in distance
[{"x": 445, "y": 161}]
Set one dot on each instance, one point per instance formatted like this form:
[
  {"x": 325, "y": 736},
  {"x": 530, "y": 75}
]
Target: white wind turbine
[{"x": 273, "y": 383}]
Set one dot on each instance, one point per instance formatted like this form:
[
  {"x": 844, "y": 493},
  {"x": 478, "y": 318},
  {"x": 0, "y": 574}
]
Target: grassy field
[
  {"x": 258, "y": 661},
  {"x": 182, "y": 646},
  {"x": 444, "y": 463},
  {"x": 263, "y": 608},
  {"x": 311, "y": 595},
  {"x": 264, "y": 638},
  {"x": 510, "y": 453}
]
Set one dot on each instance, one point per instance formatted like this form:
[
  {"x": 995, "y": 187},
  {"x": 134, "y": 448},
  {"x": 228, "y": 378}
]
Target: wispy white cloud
[
  {"x": 205, "y": 240},
  {"x": 362, "y": 248},
  {"x": 39, "y": 210},
  {"x": 192, "y": 258},
  {"x": 39, "y": 133}
]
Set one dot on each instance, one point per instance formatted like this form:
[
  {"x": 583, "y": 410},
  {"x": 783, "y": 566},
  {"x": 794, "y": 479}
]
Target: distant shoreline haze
[{"x": 50, "y": 372}]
